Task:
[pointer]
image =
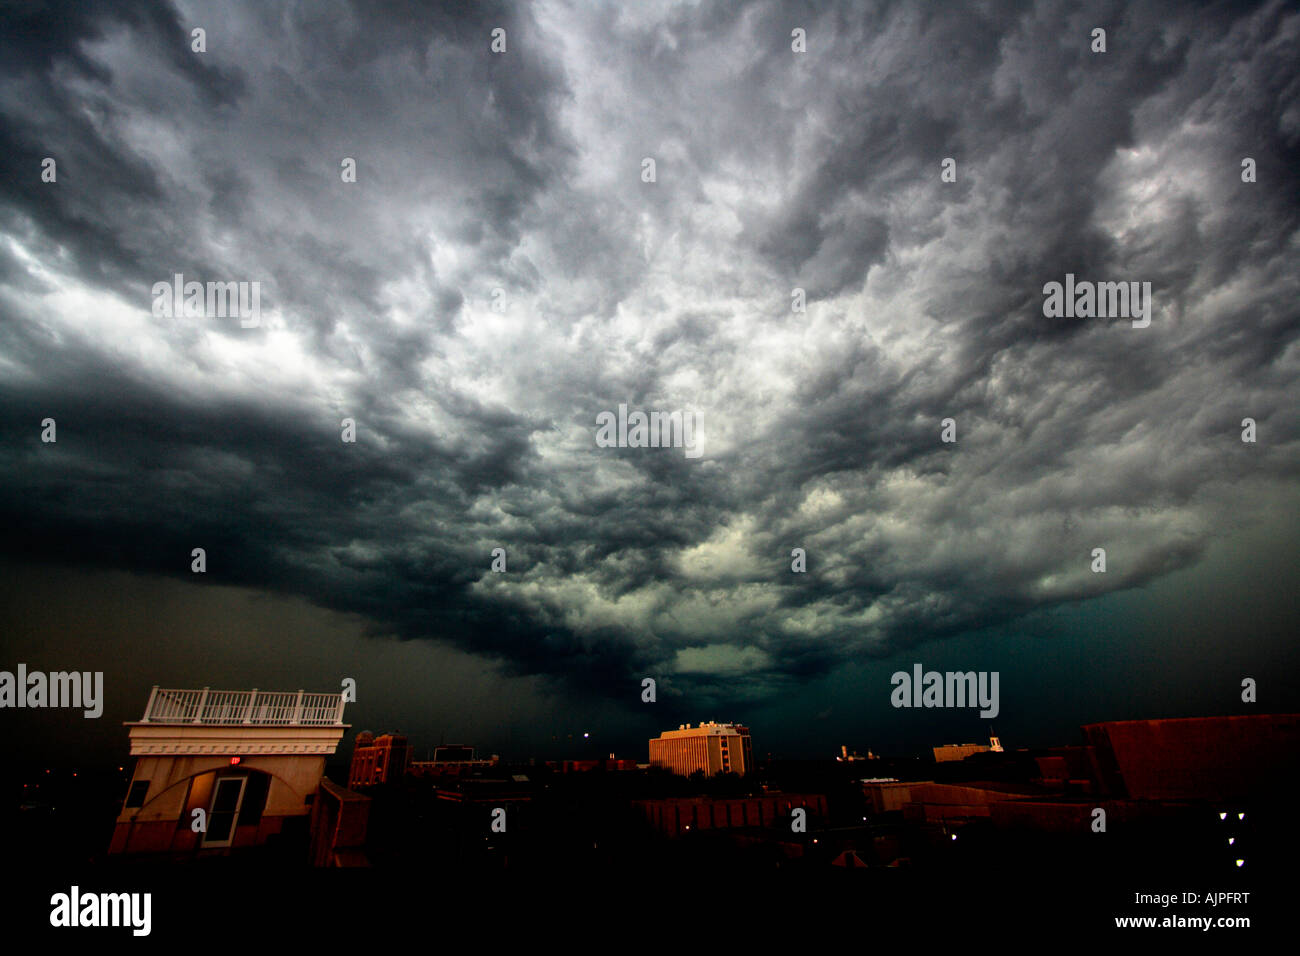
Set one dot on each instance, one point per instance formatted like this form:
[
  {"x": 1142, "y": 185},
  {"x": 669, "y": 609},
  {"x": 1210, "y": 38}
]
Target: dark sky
[{"x": 522, "y": 172}]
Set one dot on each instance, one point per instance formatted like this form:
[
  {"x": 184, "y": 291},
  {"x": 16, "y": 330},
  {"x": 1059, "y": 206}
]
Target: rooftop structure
[
  {"x": 250, "y": 760},
  {"x": 451, "y": 760},
  {"x": 962, "y": 751}
]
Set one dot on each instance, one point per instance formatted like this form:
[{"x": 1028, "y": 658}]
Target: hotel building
[{"x": 710, "y": 747}]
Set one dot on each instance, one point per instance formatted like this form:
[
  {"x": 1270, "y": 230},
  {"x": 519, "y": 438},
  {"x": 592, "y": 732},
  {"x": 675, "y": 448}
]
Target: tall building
[
  {"x": 710, "y": 747},
  {"x": 376, "y": 760},
  {"x": 251, "y": 761}
]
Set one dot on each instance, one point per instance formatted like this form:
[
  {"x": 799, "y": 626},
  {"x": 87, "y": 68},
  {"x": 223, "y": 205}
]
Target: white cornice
[{"x": 148, "y": 739}]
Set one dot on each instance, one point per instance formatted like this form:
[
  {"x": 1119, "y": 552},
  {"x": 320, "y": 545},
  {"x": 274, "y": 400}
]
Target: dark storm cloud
[
  {"x": 521, "y": 173},
  {"x": 53, "y": 103}
]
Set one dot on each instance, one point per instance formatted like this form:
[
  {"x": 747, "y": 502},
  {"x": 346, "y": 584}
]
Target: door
[{"x": 226, "y": 798}]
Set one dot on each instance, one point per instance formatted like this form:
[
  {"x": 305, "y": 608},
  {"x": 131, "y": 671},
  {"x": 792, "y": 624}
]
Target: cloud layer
[{"x": 522, "y": 172}]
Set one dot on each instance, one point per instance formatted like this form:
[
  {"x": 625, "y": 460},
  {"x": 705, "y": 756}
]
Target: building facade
[
  {"x": 251, "y": 761},
  {"x": 958, "y": 751},
  {"x": 710, "y": 747},
  {"x": 675, "y": 816},
  {"x": 1196, "y": 758},
  {"x": 377, "y": 760}
]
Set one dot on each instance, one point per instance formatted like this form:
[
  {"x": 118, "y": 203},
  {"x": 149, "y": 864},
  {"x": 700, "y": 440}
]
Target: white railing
[{"x": 226, "y": 707}]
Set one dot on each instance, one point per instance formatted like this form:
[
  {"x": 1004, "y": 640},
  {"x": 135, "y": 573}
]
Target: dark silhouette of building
[
  {"x": 677, "y": 815},
  {"x": 1196, "y": 758}
]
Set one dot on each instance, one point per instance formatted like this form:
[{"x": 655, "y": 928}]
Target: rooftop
[
  {"x": 707, "y": 727},
  {"x": 226, "y": 708}
]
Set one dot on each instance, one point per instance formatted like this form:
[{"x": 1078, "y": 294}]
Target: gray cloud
[{"x": 521, "y": 172}]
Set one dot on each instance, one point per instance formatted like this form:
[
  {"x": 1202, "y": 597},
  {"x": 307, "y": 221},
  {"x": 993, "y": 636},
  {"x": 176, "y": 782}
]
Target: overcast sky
[{"x": 522, "y": 171}]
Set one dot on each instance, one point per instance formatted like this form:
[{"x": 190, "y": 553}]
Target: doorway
[{"x": 226, "y": 799}]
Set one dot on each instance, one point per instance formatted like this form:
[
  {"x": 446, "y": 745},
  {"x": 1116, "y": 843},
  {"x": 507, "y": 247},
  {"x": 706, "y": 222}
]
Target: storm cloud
[{"x": 500, "y": 273}]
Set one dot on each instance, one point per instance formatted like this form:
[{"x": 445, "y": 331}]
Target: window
[
  {"x": 226, "y": 799},
  {"x": 135, "y": 798},
  {"x": 254, "y": 799}
]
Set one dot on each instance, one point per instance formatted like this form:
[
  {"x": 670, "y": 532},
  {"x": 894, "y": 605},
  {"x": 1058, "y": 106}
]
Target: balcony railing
[{"x": 243, "y": 707}]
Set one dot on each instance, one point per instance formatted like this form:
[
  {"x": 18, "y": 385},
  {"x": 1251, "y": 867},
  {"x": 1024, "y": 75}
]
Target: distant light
[
  {"x": 1231, "y": 840},
  {"x": 586, "y": 735},
  {"x": 234, "y": 761},
  {"x": 1239, "y": 862},
  {"x": 954, "y": 836},
  {"x": 1241, "y": 816},
  {"x": 1223, "y": 816}
]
